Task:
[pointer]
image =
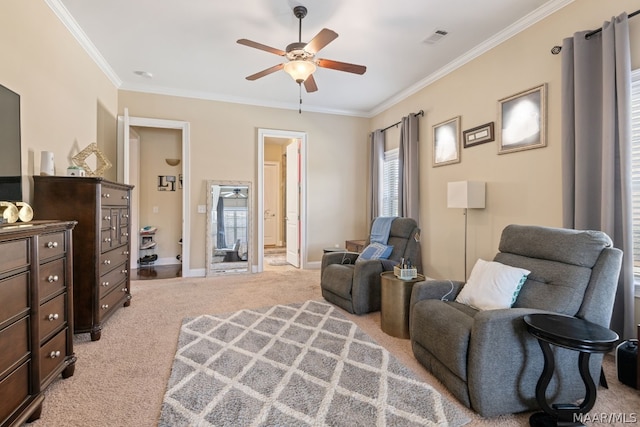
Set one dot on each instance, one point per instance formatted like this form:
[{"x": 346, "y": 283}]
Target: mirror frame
[{"x": 209, "y": 271}]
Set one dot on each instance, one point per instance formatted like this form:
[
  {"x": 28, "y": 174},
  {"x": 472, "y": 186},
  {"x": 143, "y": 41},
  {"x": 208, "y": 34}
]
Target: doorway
[
  {"x": 128, "y": 165},
  {"x": 291, "y": 225}
]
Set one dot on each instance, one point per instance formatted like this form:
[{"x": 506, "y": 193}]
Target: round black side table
[{"x": 574, "y": 334}]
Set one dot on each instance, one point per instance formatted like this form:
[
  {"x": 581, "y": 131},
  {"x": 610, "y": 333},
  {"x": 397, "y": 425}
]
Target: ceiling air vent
[{"x": 435, "y": 37}]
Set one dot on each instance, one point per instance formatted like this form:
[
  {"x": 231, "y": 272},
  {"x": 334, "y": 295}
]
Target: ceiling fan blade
[
  {"x": 323, "y": 38},
  {"x": 310, "y": 84},
  {"x": 261, "y": 46},
  {"x": 266, "y": 72},
  {"x": 341, "y": 66}
]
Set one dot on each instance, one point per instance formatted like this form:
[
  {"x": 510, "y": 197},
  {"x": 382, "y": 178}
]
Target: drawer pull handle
[
  {"x": 52, "y": 245},
  {"x": 124, "y": 290},
  {"x": 53, "y": 317},
  {"x": 106, "y": 195},
  {"x": 106, "y": 262},
  {"x": 124, "y": 271},
  {"x": 105, "y": 306},
  {"x": 107, "y": 218},
  {"x": 52, "y": 278},
  {"x": 105, "y": 283},
  {"x": 125, "y": 252},
  {"x": 125, "y": 234},
  {"x": 125, "y": 216},
  {"x": 113, "y": 227},
  {"x": 55, "y": 354},
  {"x": 107, "y": 240},
  {"x": 125, "y": 197}
]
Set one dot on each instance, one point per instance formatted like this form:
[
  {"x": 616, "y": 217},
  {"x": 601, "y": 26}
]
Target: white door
[
  {"x": 293, "y": 203},
  {"x": 271, "y": 202}
]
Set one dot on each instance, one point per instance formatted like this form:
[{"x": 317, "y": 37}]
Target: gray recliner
[
  {"x": 487, "y": 359},
  {"x": 355, "y": 285}
]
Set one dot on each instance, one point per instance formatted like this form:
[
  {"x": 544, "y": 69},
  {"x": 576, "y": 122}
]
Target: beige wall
[
  {"x": 66, "y": 101},
  {"x": 224, "y": 147},
  {"x": 522, "y": 187}
]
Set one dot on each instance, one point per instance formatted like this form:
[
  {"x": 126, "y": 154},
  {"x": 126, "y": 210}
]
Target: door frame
[
  {"x": 275, "y": 133},
  {"x": 124, "y": 171}
]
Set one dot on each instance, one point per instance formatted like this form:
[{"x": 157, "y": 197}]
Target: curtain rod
[
  {"x": 556, "y": 49},
  {"x": 419, "y": 113}
]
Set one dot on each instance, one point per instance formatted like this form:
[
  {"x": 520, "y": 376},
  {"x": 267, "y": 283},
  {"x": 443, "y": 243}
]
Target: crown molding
[
  {"x": 65, "y": 17},
  {"x": 517, "y": 27}
]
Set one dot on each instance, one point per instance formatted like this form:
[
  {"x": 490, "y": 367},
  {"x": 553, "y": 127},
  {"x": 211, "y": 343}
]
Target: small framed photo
[
  {"x": 522, "y": 120},
  {"x": 446, "y": 142},
  {"x": 478, "y": 135}
]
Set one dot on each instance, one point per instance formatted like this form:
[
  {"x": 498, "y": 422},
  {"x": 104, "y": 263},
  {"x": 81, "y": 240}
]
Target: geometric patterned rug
[{"x": 301, "y": 364}]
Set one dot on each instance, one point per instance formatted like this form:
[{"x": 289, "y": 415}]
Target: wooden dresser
[
  {"x": 36, "y": 315},
  {"x": 101, "y": 257}
]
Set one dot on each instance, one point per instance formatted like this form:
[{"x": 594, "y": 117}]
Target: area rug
[{"x": 303, "y": 364}]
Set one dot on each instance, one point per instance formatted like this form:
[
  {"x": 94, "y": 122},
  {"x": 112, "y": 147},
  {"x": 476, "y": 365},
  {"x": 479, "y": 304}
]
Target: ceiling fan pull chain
[{"x": 300, "y": 92}]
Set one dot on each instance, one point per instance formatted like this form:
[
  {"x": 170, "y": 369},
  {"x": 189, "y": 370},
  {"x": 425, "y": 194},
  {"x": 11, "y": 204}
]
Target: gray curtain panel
[
  {"x": 596, "y": 147},
  {"x": 376, "y": 160},
  {"x": 408, "y": 170}
]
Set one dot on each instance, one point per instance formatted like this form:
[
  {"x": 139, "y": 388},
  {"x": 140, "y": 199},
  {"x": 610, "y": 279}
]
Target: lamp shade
[
  {"x": 466, "y": 194},
  {"x": 300, "y": 70}
]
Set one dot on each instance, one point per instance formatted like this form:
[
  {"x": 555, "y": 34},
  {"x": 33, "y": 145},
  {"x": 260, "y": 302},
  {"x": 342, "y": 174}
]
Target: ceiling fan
[
  {"x": 235, "y": 193},
  {"x": 302, "y": 61}
]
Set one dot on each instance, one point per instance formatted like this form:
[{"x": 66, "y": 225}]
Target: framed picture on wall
[
  {"x": 446, "y": 142},
  {"x": 478, "y": 135},
  {"x": 522, "y": 120}
]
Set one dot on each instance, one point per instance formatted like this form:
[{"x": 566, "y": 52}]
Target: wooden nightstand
[{"x": 355, "y": 245}]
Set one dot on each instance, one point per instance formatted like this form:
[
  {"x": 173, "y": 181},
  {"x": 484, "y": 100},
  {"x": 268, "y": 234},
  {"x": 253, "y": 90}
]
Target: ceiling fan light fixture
[{"x": 300, "y": 70}]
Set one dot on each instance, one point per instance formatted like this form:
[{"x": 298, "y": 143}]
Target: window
[
  {"x": 635, "y": 173},
  {"x": 235, "y": 225},
  {"x": 390, "y": 183}
]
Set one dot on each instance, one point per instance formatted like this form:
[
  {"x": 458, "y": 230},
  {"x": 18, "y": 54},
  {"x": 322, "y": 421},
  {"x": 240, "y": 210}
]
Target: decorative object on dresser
[
  {"x": 102, "y": 257},
  {"x": 36, "y": 315}
]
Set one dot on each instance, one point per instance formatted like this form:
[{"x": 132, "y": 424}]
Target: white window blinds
[
  {"x": 390, "y": 183},
  {"x": 635, "y": 170}
]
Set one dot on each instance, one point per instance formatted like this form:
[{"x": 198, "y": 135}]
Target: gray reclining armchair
[
  {"x": 355, "y": 285},
  {"x": 486, "y": 358}
]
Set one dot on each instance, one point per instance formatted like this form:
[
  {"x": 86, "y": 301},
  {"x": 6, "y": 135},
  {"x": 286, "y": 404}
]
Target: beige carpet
[{"x": 121, "y": 379}]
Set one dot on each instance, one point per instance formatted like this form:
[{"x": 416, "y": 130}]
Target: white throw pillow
[{"x": 492, "y": 285}]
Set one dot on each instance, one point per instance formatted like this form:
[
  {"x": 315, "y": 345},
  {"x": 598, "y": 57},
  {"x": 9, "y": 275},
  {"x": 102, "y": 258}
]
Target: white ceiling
[{"x": 189, "y": 46}]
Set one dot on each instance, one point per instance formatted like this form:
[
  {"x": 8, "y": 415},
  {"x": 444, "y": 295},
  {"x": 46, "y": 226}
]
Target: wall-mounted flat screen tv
[{"x": 10, "y": 150}]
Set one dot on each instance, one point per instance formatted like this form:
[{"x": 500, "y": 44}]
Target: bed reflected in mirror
[{"x": 228, "y": 227}]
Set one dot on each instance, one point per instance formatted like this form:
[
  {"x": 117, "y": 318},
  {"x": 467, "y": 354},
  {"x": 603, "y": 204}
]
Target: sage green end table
[{"x": 394, "y": 307}]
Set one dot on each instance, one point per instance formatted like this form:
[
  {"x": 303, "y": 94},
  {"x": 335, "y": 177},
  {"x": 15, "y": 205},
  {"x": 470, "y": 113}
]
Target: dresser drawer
[
  {"x": 52, "y": 279},
  {"x": 51, "y": 245},
  {"x": 112, "y": 300},
  {"x": 107, "y": 219},
  {"x": 124, "y": 216},
  {"x": 14, "y": 296},
  {"x": 124, "y": 235},
  {"x": 52, "y": 354},
  {"x": 52, "y": 315},
  {"x": 114, "y": 196},
  {"x": 106, "y": 240},
  {"x": 14, "y": 254},
  {"x": 112, "y": 259},
  {"x": 14, "y": 390},
  {"x": 14, "y": 345},
  {"x": 113, "y": 278}
]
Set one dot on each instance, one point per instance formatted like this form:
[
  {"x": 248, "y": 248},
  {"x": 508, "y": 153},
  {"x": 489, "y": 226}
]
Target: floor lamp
[{"x": 466, "y": 195}]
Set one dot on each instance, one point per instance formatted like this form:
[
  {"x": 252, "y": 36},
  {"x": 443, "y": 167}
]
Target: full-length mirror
[{"x": 228, "y": 227}]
